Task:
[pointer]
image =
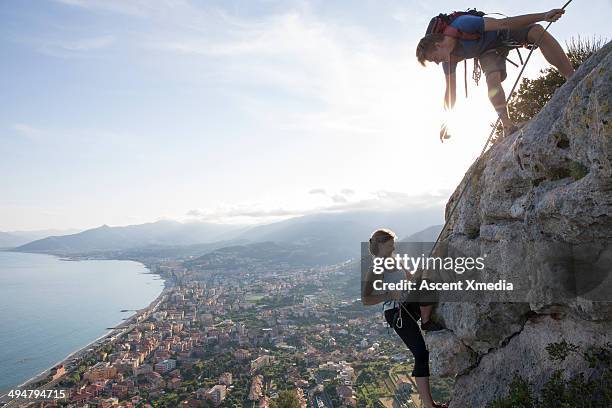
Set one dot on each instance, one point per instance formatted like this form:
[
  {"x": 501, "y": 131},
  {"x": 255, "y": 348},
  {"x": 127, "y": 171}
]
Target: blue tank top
[{"x": 467, "y": 49}]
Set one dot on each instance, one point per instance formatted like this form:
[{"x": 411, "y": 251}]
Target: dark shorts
[{"x": 494, "y": 60}]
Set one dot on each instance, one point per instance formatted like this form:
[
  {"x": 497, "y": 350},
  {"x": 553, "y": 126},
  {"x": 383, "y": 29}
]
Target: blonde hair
[
  {"x": 426, "y": 45},
  {"x": 380, "y": 236}
]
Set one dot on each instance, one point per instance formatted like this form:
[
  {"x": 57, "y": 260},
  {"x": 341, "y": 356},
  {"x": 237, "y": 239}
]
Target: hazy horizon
[
  {"x": 123, "y": 113},
  {"x": 69, "y": 231}
]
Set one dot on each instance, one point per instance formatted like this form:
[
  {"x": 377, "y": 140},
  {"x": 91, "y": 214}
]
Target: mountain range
[
  {"x": 13, "y": 239},
  {"x": 333, "y": 233},
  {"x": 106, "y": 238},
  {"x": 429, "y": 234}
]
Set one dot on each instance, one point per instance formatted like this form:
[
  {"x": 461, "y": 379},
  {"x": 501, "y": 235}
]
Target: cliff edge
[{"x": 531, "y": 196}]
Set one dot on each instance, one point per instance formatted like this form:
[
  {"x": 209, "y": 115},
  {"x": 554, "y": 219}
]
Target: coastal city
[
  {"x": 227, "y": 336},
  {"x": 305, "y": 204}
]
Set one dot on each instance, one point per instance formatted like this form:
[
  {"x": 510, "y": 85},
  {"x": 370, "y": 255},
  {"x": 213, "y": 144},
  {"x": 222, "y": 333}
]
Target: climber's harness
[
  {"x": 507, "y": 43},
  {"x": 396, "y": 319}
]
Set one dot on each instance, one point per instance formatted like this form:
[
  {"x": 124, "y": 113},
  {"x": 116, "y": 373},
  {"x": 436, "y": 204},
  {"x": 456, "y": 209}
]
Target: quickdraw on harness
[{"x": 441, "y": 24}]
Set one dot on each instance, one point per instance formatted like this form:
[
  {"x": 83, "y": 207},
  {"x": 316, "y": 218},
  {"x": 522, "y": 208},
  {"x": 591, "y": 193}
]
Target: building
[
  {"x": 261, "y": 361},
  {"x": 101, "y": 371},
  {"x": 58, "y": 371},
  {"x": 346, "y": 395},
  {"x": 143, "y": 369},
  {"x": 217, "y": 394},
  {"x": 255, "y": 391},
  {"x": 174, "y": 383},
  {"x": 119, "y": 390},
  {"x": 301, "y": 398},
  {"x": 165, "y": 366},
  {"x": 126, "y": 365},
  {"x": 242, "y": 354},
  {"x": 201, "y": 393},
  {"x": 403, "y": 387}
]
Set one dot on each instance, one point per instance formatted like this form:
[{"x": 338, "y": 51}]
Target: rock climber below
[
  {"x": 382, "y": 244},
  {"x": 464, "y": 35}
]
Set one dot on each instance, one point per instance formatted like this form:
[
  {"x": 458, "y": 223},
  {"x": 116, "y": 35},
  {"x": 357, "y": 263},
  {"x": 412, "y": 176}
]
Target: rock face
[
  {"x": 534, "y": 197},
  {"x": 451, "y": 357}
]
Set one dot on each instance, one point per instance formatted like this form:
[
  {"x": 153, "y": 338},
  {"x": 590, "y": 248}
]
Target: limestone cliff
[{"x": 539, "y": 190}]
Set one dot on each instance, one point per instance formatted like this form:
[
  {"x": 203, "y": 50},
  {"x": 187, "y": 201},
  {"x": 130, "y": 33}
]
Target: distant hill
[
  {"x": 8, "y": 240},
  {"x": 427, "y": 235},
  {"x": 354, "y": 226},
  {"x": 271, "y": 254},
  {"x": 330, "y": 236},
  {"x": 156, "y": 252},
  {"x": 160, "y": 233},
  {"x": 12, "y": 239},
  {"x": 327, "y": 238}
]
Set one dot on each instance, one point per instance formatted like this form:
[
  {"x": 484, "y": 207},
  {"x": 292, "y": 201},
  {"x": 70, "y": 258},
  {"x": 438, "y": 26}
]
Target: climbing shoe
[{"x": 431, "y": 326}]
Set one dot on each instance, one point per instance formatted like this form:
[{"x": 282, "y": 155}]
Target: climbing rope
[{"x": 464, "y": 188}]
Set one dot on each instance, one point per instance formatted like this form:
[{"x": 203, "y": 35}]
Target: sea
[{"x": 50, "y": 307}]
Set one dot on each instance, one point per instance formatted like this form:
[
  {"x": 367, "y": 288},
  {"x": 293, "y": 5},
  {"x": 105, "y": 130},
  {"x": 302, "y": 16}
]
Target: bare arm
[
  {"x": 450, "y": 95},
  {"x": 494, "y": 24},
  {"x": 367, "y": 298}
]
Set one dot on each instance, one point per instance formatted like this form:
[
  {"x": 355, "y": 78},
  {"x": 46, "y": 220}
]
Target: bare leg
[
  {"x": 426, "y": 313},
  {"x": 498, "y": 98},
  {"x": 424, "y": 391},
  {"x": 551, "y": 50}
]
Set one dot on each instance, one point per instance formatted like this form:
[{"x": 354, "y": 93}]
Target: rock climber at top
[{"x": 464, "y": 35}]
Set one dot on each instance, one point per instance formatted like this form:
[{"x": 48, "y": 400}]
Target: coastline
[
  {"x": 114, "y": 332},
  {"x": 110, "y": 336}
]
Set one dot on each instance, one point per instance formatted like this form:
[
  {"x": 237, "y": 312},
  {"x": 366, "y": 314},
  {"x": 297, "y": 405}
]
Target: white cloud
[
  {"x": 28, "y": 131},
  {"x": 341, "y": 197},
  {"x": 359, "y": 83},
  {"x": 255, "y": 213},
  {"x": 338, "y": 198},
  {"x": 362, "y": 104},
  {"x": 195, "y": 213}
]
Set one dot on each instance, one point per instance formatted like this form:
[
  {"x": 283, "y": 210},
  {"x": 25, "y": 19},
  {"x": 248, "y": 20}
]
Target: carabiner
[{"x": 399, "y": 322}]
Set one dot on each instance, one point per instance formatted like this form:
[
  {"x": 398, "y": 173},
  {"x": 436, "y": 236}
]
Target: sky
[{"x": 122, "y": 112}]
